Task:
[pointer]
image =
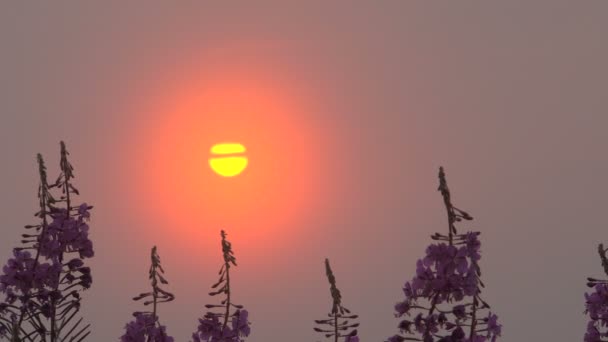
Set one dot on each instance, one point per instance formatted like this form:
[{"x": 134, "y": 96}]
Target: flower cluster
[
  {"x": 339, "y": 324},
  {"x": 146, "y": 327},
  {"x": 41, "y": 288},
  {"x": 596, "y": 305},
  {"x": 442, "y": 302},
  {"x": 20, "y": 277},
  {"x": 213, "y": 327},
  {"x": 445, "y": 272},
  {"x": 67, "y": 233}
]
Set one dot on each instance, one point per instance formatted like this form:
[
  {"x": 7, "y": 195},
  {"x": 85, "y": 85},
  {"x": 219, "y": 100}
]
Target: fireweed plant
[
  {"x": 597, "y": 304},
  {"x": 213, "y": 327},
  {"x": 442, "y": 302},
  {"x": 43, "y": 280},
  {"x": 338, "y": 322},
  {"x": 146, "y": 326}
]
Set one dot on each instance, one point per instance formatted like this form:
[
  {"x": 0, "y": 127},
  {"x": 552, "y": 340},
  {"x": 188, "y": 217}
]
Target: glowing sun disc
[{"x": 228, "y": 159}]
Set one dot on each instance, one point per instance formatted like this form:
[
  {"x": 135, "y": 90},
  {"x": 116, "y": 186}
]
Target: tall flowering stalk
[
  {"x": 596, "y": 304},
  {"x": 146, "y": 327},
  {"x": 43, "y": 289},
  {"x": 339, "y": 316},
  {"x": 213, "y": 327},
  {"x": 443, "y": 301}
]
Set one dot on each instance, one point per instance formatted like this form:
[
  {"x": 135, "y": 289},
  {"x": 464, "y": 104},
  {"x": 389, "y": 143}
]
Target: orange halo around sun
[{"x": 219, "y": 125}]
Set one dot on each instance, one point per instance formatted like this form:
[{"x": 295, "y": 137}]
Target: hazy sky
[{"x": 369, "y": 97}]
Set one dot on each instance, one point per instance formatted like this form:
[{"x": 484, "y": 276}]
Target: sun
[{"x": 228, "y": 159}]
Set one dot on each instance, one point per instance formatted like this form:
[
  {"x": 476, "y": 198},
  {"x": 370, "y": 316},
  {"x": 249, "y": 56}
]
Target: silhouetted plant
[
  {"x": 213, "y": 327},
  {"x": 146, "y": 327},
  {"x": 448, "y": 274},
  {"x": 338, "y": 323},
  {"x": 42, "y": 297},
  {"x": 596, "y": 304}
]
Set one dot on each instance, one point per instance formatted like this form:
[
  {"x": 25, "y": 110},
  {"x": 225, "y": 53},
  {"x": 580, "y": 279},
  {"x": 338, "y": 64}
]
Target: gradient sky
[{"x": 352, "y": 107}]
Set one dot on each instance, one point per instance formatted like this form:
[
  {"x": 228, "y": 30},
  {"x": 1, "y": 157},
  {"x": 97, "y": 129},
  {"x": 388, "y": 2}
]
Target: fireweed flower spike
[
  {"x": 146, "y": 327},
  {"x": 213, "y": 327},
  {"x": 339, "y": 324},
  {"x": 596, "y": 304},
  {"x": 46, "y": 285},
  {"x": 443, "y": 301},
  {"x": 68, "y": 237}
]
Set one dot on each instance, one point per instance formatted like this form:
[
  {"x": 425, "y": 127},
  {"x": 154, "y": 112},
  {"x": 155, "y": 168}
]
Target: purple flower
[
  {"x": 65, "y": 235},
  {"x": 459, "y": 311},
  {"x": 405, "y": 326},
  {"x": 351, "y": 339},
  {"x": 444, "y": 293},
  {"x": 209, "y": 328},
  {"x": 21, "y": 276},
  {"x": 143, "y": 329},
  {"x": 592, "y": 334},
  {"x": 494, "y": 329},
  {"x": 473, "y": 245},
  {"x": 457, "y": 334},
  {"x": 74, "y": 264},
  {"x": 597, "y": 307},
  {"x": 18, "y": 273},
  {"x": 402, "y": 308},
  {"x": 83, "y": 211},
  {"x": 240, "y": 325}
]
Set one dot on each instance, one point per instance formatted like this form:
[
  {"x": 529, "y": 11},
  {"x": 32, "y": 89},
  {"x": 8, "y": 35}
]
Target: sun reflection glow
[{"x": 231, "y": 148}]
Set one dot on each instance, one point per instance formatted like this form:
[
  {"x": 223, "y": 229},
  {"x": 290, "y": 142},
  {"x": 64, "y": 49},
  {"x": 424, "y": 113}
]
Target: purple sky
[{"x": 510, "y": 97}]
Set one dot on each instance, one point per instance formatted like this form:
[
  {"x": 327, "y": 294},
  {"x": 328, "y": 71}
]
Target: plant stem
[
  {"x": 336, "y": 326},
  {"x": 445, "y": 192},
  {"x": 227, "y": 265},
  {"x": 42, "y": 196},
  {"x": 65, "y": 168},
  {"x": 473, "y": 318}
]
